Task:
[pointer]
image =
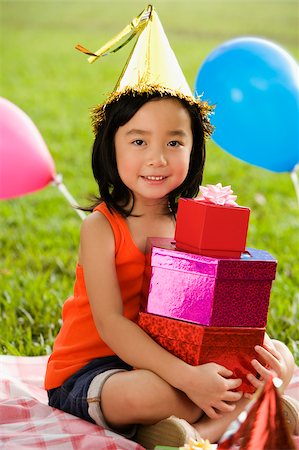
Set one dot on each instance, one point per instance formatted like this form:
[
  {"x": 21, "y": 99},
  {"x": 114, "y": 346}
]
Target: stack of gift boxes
[{"x": 206, "y": 296}]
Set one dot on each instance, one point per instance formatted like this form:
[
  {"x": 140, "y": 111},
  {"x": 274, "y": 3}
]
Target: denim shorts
[{"x": 72, "y": 395}]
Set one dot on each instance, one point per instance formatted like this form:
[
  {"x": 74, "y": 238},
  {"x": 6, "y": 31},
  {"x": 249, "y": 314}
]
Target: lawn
[{"x": 44, "y": 75}]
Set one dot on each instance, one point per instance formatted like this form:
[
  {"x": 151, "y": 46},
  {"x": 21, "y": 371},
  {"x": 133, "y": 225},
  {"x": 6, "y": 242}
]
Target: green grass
[{"x": 43, "y": 74}]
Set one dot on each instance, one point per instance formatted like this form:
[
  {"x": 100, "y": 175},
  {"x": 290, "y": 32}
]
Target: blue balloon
[{"x": 254, "y": 84}]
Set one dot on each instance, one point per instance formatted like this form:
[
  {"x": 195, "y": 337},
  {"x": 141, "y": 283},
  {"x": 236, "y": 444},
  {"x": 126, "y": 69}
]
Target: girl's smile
[{"x": 153, "y": 179}]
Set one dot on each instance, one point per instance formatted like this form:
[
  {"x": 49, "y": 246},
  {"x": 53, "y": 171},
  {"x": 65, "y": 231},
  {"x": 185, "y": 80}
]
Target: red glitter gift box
[
  {"x": 208, "y": 291},
  {"x": 230, "y": 347},
  {"x": 211, "y": 230}
]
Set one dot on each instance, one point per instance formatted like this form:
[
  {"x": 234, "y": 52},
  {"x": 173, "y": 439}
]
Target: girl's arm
[{"x": 208, "y": 385}]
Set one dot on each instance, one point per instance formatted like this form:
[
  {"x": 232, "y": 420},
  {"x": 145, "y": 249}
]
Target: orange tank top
[{"x": 78, "y": 341}]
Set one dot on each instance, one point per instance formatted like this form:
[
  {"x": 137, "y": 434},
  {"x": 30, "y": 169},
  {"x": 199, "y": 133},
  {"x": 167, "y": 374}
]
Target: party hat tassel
[
  {"x": 134, "y": 27},
  {"x": 265, "y": 426}
]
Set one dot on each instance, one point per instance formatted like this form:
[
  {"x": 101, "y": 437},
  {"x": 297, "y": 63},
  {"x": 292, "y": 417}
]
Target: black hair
[{"x": 112, "y": 190}]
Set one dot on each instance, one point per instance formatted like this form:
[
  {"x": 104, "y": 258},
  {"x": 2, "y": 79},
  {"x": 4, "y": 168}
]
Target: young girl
[{"x": 149, "y": 150}]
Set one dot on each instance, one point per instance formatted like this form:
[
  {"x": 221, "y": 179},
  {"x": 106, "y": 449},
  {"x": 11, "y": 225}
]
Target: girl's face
[{"x": 153, "y": 149}]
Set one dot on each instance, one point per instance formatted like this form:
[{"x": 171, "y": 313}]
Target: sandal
[
  {"x": 172, "y": 432},
  {"x": 290, "y": 410}
]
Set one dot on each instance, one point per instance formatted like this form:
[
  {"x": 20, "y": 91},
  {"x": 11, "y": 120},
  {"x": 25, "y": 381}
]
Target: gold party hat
[{"x": 152, "y": 67}]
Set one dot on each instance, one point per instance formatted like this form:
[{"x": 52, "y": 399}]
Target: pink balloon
[{"x": 25, "y": 161}]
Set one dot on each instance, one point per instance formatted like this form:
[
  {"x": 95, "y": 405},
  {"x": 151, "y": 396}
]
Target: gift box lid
[{"x": 254, "y": 264}]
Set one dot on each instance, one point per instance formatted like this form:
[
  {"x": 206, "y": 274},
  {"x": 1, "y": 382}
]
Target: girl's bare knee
[
  {"x": 125, "y": 399},
  {"x": 114, "y": 401},
  {"x": 143, "y": 397},
  {"x": 289, "y": 361}
]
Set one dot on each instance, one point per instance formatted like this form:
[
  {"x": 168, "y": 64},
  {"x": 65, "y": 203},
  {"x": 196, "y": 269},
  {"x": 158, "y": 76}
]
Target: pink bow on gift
[{"x": 217, "y": 194}]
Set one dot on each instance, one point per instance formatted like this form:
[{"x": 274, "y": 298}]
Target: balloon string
[
  {"x": 58, "y": 182},
  {"x": 294, "y": 177}
]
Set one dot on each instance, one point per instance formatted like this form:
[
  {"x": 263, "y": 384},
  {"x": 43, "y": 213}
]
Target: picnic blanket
[{"x": 27, "y": 422}]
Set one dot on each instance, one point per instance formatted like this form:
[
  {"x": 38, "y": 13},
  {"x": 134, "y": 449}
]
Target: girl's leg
[
  {"x": 289, "y": 362},
  {"x": 141, "y": 397},
  {"x": 290, "y": 406},
  {"x": 213, "y": 429}
]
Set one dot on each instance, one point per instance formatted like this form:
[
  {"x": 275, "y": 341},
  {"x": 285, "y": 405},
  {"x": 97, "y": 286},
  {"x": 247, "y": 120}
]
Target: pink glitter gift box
[{"x": 208, "y": 291}]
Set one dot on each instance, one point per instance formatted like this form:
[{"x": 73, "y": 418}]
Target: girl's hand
[
  {"x": 211, "y": 389},
  {"x": 274, "y": 365}
]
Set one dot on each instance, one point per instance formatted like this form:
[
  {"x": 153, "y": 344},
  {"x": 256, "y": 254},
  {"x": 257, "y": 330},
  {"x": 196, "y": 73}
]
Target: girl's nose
[{"x": 157, "y": 158}]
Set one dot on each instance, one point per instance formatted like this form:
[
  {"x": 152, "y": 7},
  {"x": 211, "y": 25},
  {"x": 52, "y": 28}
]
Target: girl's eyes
[
  {"x": 138, "y": 142},
  {"x": 174, "y": 144}
]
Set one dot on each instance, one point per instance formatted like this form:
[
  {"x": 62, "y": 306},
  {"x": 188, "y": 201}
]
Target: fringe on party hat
[{"x": 152, "y": 67}]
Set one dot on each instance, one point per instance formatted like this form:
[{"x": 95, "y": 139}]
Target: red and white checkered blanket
[{"x": 27, "y": 422}]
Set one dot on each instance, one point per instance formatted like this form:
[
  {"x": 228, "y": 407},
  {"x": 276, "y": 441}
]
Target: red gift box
[
  {"x": 195, "y": 344},
  {"x": 208, "y": 291},
  {"x": 211, "y": 230}
]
